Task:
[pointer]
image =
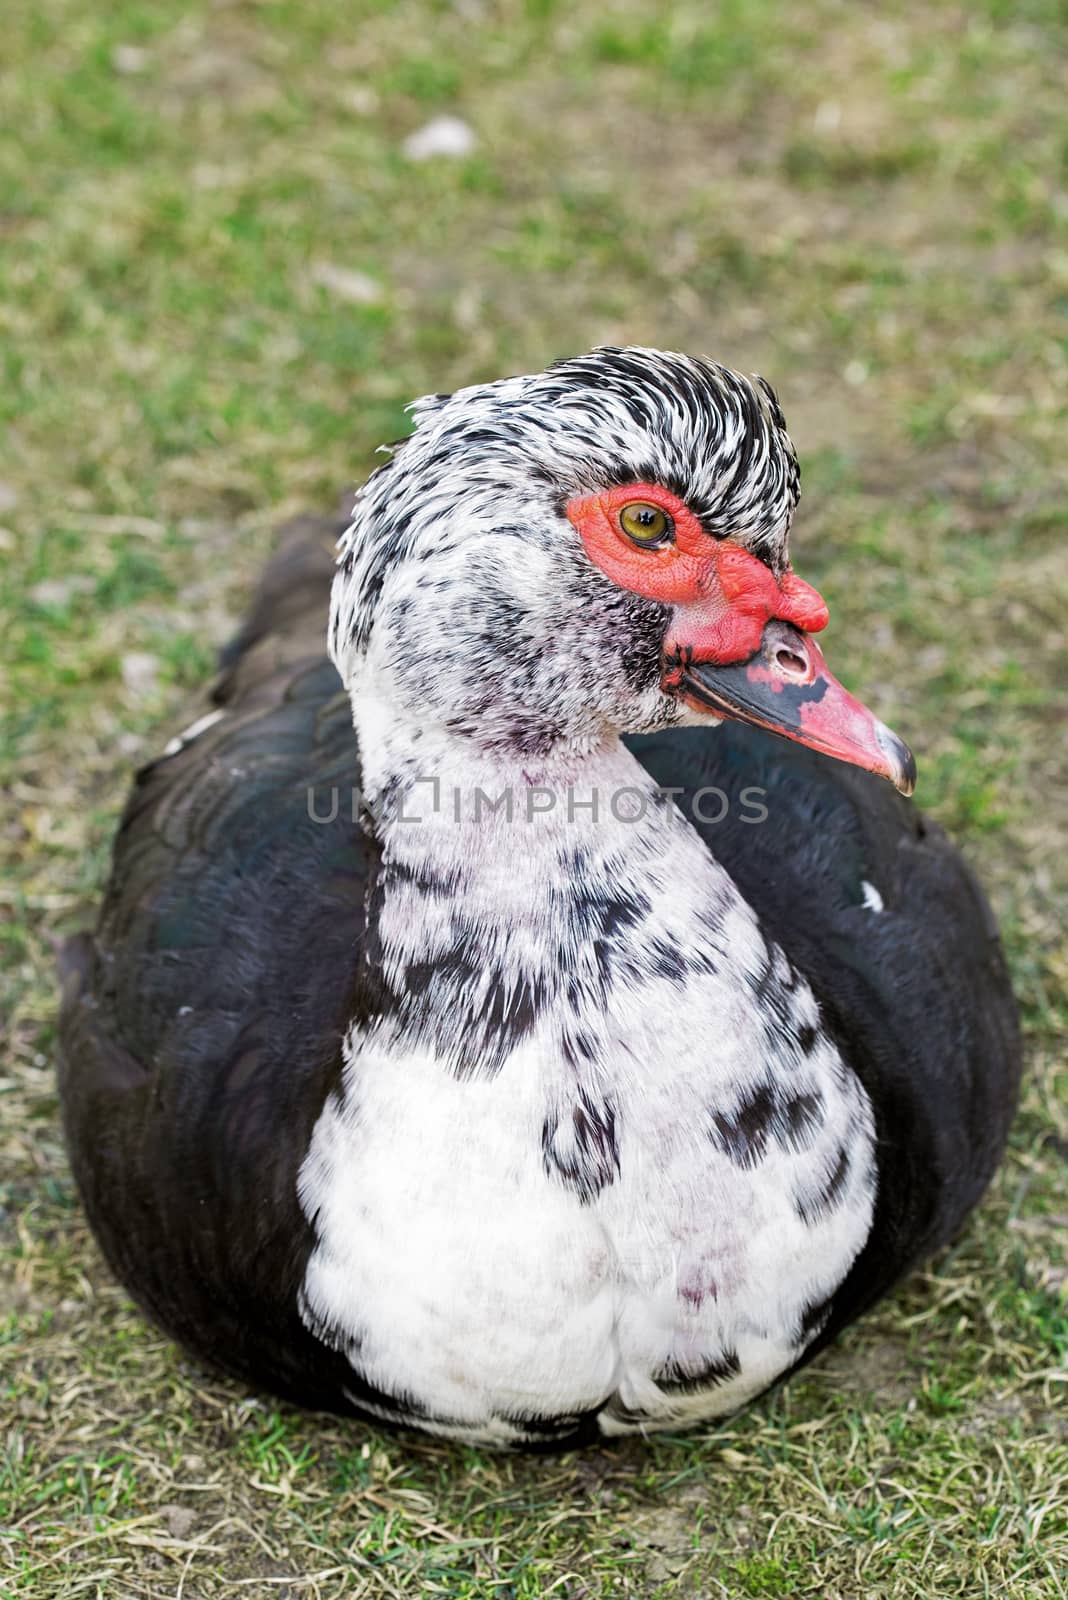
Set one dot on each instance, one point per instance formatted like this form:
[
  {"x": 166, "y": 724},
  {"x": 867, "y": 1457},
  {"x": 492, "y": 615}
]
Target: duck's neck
[
  {"x": 441, "y": 795},
  {"x": 517, "y": 894}
]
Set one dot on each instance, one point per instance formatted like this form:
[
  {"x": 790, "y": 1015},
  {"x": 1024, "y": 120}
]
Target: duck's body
[{"x": 584, "y": 1110}]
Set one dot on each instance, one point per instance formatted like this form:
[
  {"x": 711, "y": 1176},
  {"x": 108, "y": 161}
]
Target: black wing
[
  {"x": 201, "y": 1026},
  {"x": 916, "y": 994}
]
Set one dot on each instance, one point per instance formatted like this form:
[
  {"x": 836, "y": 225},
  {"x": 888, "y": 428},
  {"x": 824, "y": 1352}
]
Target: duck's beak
[{"x": 785, "y": 687}]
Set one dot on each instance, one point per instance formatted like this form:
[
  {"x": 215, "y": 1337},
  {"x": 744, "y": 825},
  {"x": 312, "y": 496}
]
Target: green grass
[{"x": 865, "y": 204}]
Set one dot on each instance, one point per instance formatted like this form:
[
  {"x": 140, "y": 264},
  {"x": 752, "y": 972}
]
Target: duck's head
[{"x": 597, "y": 548}]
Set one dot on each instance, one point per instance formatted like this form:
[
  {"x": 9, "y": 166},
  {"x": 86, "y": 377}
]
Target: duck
[{"x": 527, "y": 1006}]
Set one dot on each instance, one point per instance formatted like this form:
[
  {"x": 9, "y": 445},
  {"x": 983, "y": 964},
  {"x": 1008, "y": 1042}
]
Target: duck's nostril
[{"x": 790, "y": 663}]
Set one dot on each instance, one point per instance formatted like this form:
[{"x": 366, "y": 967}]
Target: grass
[{"x": 867, "y": 205}]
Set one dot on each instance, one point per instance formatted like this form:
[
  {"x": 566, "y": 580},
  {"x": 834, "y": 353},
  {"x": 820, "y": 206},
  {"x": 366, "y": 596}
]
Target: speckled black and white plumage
[
  {"x": 463, "y": 581},
  {"x": 524, "y": 1125}
]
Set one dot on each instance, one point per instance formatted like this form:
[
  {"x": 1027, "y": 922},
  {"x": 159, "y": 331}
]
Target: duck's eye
[{"x": 646, "y": 524}]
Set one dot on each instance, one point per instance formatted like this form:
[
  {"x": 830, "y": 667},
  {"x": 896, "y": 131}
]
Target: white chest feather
[{"x": 632, "y": 1189}]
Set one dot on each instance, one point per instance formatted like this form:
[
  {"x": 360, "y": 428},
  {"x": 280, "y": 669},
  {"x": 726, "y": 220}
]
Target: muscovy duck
[{"x": 566, "y": 1053}]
